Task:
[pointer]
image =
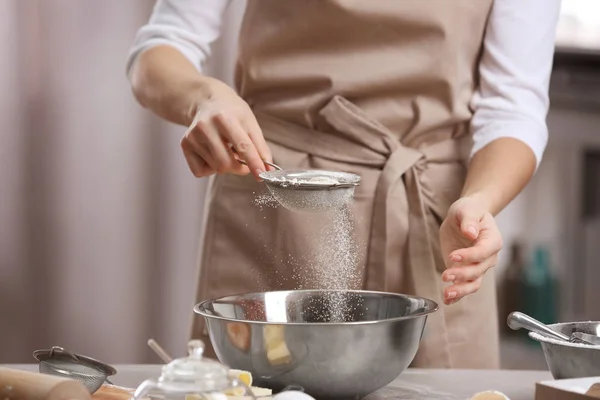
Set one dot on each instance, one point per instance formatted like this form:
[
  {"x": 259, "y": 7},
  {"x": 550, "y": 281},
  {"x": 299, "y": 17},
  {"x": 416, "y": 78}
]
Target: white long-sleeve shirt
[{"x": 510, "y": 101}]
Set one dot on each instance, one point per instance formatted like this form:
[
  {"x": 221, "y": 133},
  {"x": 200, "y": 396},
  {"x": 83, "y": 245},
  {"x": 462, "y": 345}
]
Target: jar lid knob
[{"x": 196, "y": 349}]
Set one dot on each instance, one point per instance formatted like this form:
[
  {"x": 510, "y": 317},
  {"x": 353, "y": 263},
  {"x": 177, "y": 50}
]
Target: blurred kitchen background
[{"x": 100, "y": 218}]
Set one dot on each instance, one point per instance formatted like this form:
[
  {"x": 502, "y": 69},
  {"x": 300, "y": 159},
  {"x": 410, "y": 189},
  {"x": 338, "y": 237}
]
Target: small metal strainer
[
  {"x": 309, "y": 190},
  {"x": 60, "y": 362}
]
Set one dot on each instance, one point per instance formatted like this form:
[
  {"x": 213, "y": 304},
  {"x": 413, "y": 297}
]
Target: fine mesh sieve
[
  {"x": 311, "y": 190},
  {"x": 60, "y": 362}
]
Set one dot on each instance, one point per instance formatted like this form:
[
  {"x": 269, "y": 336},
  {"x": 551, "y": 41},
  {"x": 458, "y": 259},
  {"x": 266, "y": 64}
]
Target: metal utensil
[
  {"x": 567, "y": 360},
  {"x": 311, "y": 190},
  {"x": 270, "y": 164},
  {"x": 308, "y": 190},
  {"x": 518, "y": 320},
  {"x": 580, "y": 337},
  {"x": 373, "y": 343},
  {"x": 243, "y": 162},
  {"x": 59, "y": 362}
]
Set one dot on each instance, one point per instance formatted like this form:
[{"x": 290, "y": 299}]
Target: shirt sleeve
[
  {"x": 512, "y": 98},
  {"x": 190, "y": 26}
]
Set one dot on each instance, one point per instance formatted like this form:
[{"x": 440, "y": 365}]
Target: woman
[{"x": 439, "y": 105}]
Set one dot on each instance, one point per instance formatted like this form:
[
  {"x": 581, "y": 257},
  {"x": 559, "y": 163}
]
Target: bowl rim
[
  {"x": 198, "y": 308},
  {"x": 547, "y": 340}
]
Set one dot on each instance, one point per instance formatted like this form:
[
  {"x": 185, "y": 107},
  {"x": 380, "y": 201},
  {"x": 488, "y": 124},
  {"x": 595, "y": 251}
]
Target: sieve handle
[
  {"x": 58, "y": 349},
  {"x": 277, "y": 167},
  {"x": 25, "y": 385}
]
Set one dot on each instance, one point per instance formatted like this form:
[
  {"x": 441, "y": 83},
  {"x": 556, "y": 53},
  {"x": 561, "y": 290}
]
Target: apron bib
[{"x": 380, "y": 89}]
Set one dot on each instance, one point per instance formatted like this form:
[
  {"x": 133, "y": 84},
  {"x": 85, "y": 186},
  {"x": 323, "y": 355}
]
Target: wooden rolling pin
[{"x": 24, "y": 385}]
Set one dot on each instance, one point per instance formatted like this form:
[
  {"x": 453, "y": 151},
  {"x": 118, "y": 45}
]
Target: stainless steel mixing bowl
[
  {"x": 571, "y": 360},
  {"x": 335, "y": 344}
]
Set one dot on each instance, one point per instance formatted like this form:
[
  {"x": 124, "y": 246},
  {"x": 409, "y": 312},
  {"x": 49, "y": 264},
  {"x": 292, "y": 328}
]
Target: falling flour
[
  {"x": 313, "y": 201},
  {"x": 335, "y": 265},
  {"x": 265, "y": 199},
  {"x": 328, "y": 260}
]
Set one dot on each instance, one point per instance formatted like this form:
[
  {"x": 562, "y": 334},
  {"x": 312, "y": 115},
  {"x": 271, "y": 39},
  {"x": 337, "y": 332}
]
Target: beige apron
[{"x": 380, "y": 88}]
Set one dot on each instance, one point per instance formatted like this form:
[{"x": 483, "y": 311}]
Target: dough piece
[
  {"x": 260, "y": 392},
  {"x": 490, "y": 395}
]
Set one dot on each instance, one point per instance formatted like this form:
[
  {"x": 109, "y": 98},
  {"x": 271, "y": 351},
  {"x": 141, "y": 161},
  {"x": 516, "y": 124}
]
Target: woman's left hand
[{"x": 470, "y": 242}]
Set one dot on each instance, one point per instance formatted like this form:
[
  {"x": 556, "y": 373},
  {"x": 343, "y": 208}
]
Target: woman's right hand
[{"x": 223, "y": 119}]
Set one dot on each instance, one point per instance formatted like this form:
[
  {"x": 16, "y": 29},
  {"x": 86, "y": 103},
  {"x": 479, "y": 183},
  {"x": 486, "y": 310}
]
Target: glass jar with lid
[{"x": 193, "y": 378}]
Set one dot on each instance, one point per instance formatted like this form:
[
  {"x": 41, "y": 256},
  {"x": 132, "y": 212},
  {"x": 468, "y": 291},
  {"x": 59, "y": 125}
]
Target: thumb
[{"x": 469, "y": 223}]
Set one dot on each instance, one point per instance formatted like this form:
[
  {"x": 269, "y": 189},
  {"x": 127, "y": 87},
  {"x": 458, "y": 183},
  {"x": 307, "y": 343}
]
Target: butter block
[{"x": 277, "y": 350}]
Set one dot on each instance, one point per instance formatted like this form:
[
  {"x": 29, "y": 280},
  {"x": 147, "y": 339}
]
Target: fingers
[
  {"x": 465, "y": 273},
  {"x": 471, "y": 241},
  {"x": 199, "y": 167},
  {"x": 469, "y": 223},
  {"x": 454, "y": 293},
  {"x": 232, "y": 130},
  {"x": 258, "y": 139},
  {"x": 466, "y": 279},
  {"x": 241, "y": 168},
  {"x": 483, "y": 248},
  {"x": 209, "y": 139}
]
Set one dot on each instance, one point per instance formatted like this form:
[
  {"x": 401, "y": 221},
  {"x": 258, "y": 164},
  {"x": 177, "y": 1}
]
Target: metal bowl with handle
[
  {"x": 571, "y": 360},
  {"x": 333, "y": 344}
]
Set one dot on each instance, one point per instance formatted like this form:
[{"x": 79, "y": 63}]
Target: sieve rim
[
  {"x": 346, "y": 179},
  {"x": 58, "y": 353}
]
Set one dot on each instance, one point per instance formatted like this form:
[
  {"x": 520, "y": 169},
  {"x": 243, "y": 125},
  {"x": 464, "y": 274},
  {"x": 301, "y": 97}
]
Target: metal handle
[
  {"x": 277, "y": 167},
  {"x": 58, "y": 349},
  {"x": 517, "y": 320}
]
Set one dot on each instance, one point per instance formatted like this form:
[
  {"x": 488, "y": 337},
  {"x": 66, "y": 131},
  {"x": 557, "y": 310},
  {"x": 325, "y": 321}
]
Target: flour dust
[
  {"x": 327, "y": 259},
  {"x": 264, "y": 200}
]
